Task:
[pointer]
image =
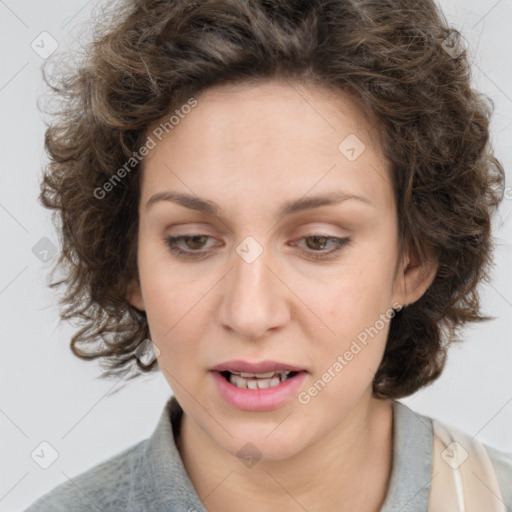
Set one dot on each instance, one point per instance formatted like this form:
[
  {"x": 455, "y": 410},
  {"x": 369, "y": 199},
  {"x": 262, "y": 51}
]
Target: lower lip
[{"x": 258, "y": 399}]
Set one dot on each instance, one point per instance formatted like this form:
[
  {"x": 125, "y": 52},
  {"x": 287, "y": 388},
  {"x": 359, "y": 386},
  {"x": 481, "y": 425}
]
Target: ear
[
  {"x": 414, "y": 276},
  {"x": 134, "y": 295}
]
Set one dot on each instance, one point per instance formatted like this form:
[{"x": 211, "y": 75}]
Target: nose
[{"x": 254, "y": 298}]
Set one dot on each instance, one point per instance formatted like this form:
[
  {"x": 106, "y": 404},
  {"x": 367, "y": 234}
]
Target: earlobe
[{"x": 134, "y": 295}]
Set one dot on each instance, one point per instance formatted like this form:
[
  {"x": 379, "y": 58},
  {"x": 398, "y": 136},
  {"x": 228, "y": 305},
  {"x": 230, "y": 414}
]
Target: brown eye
[
  {"x": 189, "y": 246},
  {"x": 193, "y": 244},
  {"x": 316, "y": 245},
  {"x": 318, "y": 242},
  {"x": 197, "y": 241}
]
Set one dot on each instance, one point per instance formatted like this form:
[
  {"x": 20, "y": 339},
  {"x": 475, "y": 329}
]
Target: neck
[{"x": 349, "y": 468}]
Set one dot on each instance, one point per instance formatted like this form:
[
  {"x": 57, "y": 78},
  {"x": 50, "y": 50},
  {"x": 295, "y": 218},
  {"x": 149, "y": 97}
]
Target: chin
[{"x": 263, "y": 443}]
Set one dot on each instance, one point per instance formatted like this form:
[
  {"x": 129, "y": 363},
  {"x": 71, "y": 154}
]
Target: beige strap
[{"x": 463, "y": 477}]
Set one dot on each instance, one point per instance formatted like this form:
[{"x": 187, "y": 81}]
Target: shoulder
[
  {"x": 482, "y": 474},
  {"x": 502, "y": 463},
  {"x": 106, "y": 486},
  {"x": 456, "y": 465},
  {"x": 149, "y": 476}
]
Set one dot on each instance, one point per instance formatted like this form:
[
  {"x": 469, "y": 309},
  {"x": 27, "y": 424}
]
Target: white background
[{"x": 46, "y": 394}]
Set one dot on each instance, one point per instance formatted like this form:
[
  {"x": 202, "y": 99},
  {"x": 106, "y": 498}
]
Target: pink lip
[
  {"x": 261, "y": 367},
  {"x": 258, "y": 399}
]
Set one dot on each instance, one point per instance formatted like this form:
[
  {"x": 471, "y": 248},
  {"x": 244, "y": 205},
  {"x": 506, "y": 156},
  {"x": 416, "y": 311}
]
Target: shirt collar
[
  {"x": 167, "y": 483},
  {"x": 167, "y": 486},
  {"x": 409, "y": 485}
]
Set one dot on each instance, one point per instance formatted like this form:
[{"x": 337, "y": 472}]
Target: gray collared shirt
[{"x": 150, "y": 476}]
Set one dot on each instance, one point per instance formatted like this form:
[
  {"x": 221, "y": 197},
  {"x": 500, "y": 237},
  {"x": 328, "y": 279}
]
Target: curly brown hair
[{"x": 393, "y": 56}]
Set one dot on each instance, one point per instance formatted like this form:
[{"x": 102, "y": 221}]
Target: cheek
[
  {"x": 355, "y": 298},
  {"x": 346, "y": 363},
  {"x": 356, "y": 306},
  {"x": 166, "y": 292},
  {"x": 176, "y": 309}
]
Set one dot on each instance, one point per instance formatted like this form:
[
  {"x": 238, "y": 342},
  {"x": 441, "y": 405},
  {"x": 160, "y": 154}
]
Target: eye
[
  {"x": 198, "y": 241},
  {"x": 194, "y": 242},
  {"x": 318, "y": 243}
]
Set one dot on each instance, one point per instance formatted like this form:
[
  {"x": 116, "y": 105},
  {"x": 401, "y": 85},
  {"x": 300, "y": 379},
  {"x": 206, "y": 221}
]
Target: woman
[{"x": 290, "y": 204}]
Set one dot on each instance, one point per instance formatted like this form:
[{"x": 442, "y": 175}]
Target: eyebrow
[{"x": 202, "y": 205}]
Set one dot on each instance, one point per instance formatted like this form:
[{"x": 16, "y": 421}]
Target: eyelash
[{"x": 172, "y": 244}]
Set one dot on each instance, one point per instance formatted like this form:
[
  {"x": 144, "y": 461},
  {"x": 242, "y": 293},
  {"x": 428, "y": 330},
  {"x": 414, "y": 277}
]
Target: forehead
[{"x": 255, "y": 138}]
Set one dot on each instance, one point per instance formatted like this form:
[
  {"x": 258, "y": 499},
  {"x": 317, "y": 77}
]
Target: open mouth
[
  {"x": 272, "y": 385},
  {"x": 258, "y": 380}
]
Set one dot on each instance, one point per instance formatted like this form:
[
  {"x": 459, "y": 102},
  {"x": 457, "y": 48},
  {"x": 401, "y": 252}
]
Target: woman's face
[{"x": 259, "y": 282}]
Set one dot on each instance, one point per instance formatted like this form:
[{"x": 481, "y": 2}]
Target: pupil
[
  {"x": 197, "y": 239},
  {"x": 318, "y": 241}
]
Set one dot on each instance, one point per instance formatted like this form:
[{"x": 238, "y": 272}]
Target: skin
[{"x": 249, "y": 149}]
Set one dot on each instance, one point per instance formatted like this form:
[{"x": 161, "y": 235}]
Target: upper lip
[{"x": 261, "y": 367}]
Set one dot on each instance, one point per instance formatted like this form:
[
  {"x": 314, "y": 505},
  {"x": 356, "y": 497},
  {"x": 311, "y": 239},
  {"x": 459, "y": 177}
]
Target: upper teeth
[
  {"x": 261, "y": 375},
  {"x": 257, "y": 380}
]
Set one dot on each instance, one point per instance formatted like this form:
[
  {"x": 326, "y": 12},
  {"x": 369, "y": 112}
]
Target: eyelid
[{"x": 172, "y": 241}]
